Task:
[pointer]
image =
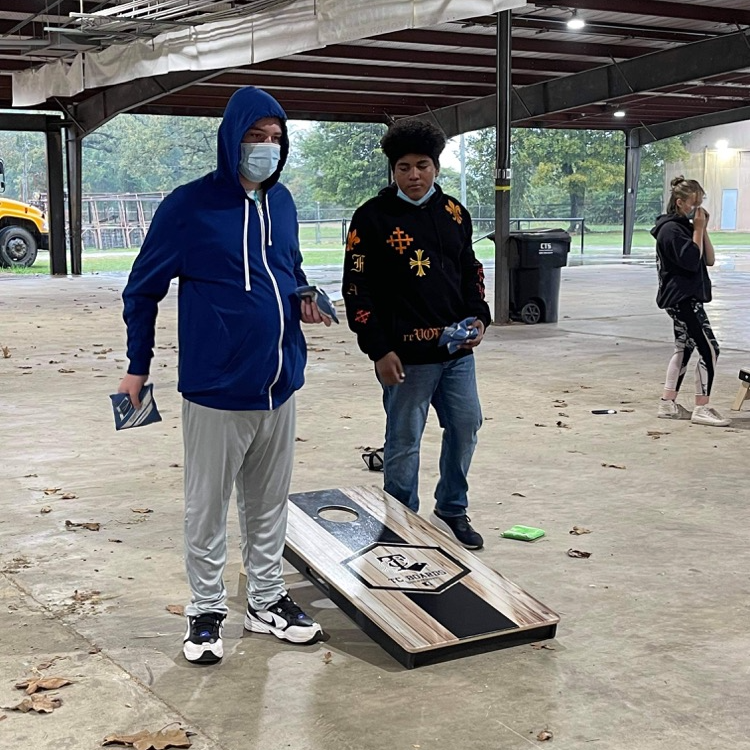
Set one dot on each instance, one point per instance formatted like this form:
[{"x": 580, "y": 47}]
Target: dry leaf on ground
[
  {"x": 655, "y": 434},
  {"x": 65, "y": 370},
  {"x": 142, "y": 510},
  {"x": 91, "y": 526},
  {"x": 175, "y": 609},
  {"x": 562, "y": 424},
  {"x": 146, "y": 740},
  {"x": 578, "y": 530},
  {"x": 69, "y": 496},
  {"x": 85, "y": 596},
  {"x": 613, "y": 466},
  {"x": 517, "y": 494},
  {"x": 578, "y": 553},
  {"x": 44, "y": 683},
  {"x": 544, "y": 735},
  {"x": 52, "y": 490},
  {"x": 41, "y": 703},
  {"x": 46, "y": 509},
  {"x": 327, "y": 657},
  {"x": 540, "y": 646},
  {"x": 47, "y": 664},
  {"x": 116, "y": 541},
  {"x": 6, "y": 352}
]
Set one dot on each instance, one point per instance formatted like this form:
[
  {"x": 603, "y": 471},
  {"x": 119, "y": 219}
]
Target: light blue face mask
[
  {"x": 258, "y": 161},
  {"x": 419, "y": 201},
  {"x": 691, "y": 215}
]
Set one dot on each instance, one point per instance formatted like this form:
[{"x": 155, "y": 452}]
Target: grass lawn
[{"x": 330, "y": 251}]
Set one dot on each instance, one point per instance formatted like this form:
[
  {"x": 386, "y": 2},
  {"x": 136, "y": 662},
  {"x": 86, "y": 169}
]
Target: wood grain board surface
[{"x": 418, "y": 588}]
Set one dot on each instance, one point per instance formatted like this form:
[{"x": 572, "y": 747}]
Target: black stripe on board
[{"x": 457, "y": 609}]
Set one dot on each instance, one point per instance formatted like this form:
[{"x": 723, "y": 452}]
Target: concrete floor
[{"x": 652, "y": 651}]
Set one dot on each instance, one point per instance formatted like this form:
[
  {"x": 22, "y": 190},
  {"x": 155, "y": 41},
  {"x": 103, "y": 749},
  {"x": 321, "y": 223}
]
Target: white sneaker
[
  {"x": 709, "y": 416},
  {"x": 673, "y": 410}
]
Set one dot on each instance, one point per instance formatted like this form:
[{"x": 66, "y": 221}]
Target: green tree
[
  {"x": 343, "y": 161},
  {"x": 564, "y": 172},
  {"x": 146, "y": 153}
]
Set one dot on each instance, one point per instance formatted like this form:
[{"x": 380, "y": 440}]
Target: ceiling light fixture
[
  {"x": 619, "y": 113},
  {"x": 575, "y": 23}
]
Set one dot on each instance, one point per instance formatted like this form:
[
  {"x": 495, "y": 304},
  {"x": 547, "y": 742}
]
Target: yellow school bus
[{"x": 23, "y": 230}]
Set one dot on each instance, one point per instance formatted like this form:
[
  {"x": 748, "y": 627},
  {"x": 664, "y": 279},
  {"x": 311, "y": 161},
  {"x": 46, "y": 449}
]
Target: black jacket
[
  {"x": 409, "y": 271},
  {"x": 682, "y": 267}
]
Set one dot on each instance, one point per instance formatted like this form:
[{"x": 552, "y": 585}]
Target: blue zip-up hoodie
[{"x": 238, "y": 263}]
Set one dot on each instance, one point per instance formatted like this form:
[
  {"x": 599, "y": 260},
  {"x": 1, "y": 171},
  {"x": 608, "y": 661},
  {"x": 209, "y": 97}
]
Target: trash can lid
[{"x": 541, "y": 234}]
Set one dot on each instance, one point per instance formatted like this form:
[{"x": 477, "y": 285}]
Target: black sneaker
[
  {"x": 203, "y": 644},
  {"x": 285, "y": 620},
  {"x": 458, "y": 527}
]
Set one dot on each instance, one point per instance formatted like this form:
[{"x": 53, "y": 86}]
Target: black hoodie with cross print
[{"x": 410, "y": 271}]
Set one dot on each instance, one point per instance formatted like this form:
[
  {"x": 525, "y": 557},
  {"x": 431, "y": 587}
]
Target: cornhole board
[
  {"x": 417, "y": 593},
  {"x": 744, "y": 390}
]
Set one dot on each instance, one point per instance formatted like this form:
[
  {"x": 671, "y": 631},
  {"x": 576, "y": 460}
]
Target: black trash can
[{"x": 535, "y": 262}]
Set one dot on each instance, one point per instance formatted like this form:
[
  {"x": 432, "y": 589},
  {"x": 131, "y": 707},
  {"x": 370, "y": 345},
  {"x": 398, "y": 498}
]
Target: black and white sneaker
[
  {"x": 203, "y": 644},
  {"x": 459, "y": 528},
  {"x": 285, "y": 620}
]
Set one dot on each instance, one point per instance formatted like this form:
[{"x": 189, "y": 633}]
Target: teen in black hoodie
[
  {"x": 410, "y": 271},
  {"x": 684, "y": 251}
]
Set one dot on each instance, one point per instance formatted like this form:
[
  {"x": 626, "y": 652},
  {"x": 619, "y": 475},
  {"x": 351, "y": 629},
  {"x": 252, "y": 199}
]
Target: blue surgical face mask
[
  {"x": 401, "y": 194},
  {"x": 691, "y": 214},
  {"x": 258, "y": 161}
]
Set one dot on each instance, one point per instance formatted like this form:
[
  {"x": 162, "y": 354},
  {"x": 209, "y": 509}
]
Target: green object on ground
[{"x": 523, "y": 533}]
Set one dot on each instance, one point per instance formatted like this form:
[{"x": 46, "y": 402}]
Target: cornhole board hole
[{"x": 414, "y": 591}]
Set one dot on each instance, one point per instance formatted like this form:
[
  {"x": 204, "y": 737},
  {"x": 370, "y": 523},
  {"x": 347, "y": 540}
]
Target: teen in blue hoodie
[{"x": 231, "y": 238}]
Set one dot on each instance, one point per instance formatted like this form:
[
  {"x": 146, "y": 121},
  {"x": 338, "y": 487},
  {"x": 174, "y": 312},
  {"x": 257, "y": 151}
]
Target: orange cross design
[
  {"x": 362, "y": 316},
  {"x": 399, "y": 240},
  {"x": 419, "y": 263},
  {"x": 455, "y": 211},
  {"x": 352, "y": 240}
]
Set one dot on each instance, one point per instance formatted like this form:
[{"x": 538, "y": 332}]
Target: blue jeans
[{"x": 451, "y": 388}]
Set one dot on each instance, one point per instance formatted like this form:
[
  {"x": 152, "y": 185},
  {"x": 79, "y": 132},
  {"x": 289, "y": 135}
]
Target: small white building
[{"x": 720, "y": 160}]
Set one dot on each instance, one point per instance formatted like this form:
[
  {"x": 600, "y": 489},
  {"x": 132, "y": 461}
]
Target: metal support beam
[
  {"x": 20, "y": 122},
  {"x": 502, "y": 169},
  {"x": 652, "y": 72},
  {"x": 632, "y": 176},
  {"x": 58, "y": 265},
  {"x": 100, "y": 108},
  {"x": 670, "y": 129},
  {"x": 661, "y": 9},
  {"x": 73, "y": 154}
]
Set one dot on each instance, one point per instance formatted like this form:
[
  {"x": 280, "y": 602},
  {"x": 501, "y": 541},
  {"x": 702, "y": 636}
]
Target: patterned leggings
[{"x": 692, "y": 330}]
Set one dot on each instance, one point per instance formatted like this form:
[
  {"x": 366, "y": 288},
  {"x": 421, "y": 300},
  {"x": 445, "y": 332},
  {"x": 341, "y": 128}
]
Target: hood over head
[{"x": 246, "y": 106}]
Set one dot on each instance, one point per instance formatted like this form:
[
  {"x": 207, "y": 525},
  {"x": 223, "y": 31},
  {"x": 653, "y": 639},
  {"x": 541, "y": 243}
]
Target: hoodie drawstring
[
  {"x": 268, "y": 214},
  {"x": 244, "y": 245}
]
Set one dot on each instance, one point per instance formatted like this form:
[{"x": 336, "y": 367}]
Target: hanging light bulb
[{"x": 575, "y": 23}]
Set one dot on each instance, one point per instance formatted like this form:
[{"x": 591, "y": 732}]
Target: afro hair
[{"x": 410, "y": 136}]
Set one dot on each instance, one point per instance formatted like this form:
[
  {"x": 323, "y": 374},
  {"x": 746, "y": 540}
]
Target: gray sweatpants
[{"x": 255, "y": 451}]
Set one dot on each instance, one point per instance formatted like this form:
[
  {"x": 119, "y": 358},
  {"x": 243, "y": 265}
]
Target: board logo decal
[{"x": 406, "y": 567}]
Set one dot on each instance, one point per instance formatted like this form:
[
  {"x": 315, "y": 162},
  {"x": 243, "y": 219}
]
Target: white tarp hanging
[{"x": 302, "y": 26}]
